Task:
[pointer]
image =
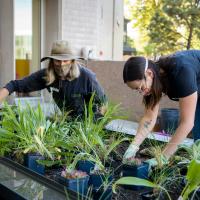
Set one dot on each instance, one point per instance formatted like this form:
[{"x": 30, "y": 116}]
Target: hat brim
[{"x": 62, "y": 57}]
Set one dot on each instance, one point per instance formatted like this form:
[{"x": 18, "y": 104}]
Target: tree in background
[
  {"x": 185, "y": 15},
  {"x": 167, "y": 25},
  {"x": 163, "y": 35}
]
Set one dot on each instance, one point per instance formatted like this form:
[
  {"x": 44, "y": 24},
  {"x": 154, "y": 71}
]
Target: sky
[
  {"x": 23, "y": 17},
  {"x": 133, "y": 33}
]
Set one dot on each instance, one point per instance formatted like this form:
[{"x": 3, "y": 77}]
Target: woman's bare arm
[
  {"x": 146, "y": 125},
  {"x": 3, "y": 94},
  {"x": 187, "y": 107}
]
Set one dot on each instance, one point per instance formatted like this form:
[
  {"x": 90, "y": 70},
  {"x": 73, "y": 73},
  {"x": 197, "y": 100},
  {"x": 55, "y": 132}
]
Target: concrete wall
[
  {"x": 109, "y": 74},
  {"x": 7, "y": 69}
]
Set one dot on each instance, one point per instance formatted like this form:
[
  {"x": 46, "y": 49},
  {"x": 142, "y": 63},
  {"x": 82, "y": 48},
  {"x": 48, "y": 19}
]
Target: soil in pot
[{"x": 77, "y": 184}]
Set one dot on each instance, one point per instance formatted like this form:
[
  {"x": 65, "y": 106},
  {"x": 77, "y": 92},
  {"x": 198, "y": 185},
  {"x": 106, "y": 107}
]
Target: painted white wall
[
  {"x": 106, "y": 31},
  {"x": 51, "y": 31},
  {"x": 118, "y": 30},
  {"x": 36, "y": 40},
  {"x": 95, "y": 24},
  {"x": 80, "y": 23},
  {"x": 7, "y": 64}
]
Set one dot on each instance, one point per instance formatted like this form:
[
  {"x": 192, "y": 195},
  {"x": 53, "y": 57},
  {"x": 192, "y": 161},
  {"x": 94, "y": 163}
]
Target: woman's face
[
  {"x": 143, "y": 86},
  {"x": 62, "y": 67}
]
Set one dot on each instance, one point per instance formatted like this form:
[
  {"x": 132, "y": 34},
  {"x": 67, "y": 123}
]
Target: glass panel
[
  {"x": 25, "y": 186},
  {"x": 27, "y": 38}
]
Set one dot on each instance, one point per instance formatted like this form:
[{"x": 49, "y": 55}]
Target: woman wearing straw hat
[
  {"x": 177, "y": 76},
  {"x": 70, "y": 83}
]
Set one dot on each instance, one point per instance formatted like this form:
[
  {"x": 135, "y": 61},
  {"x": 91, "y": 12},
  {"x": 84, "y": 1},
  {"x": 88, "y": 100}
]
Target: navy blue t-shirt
[
  {"x": 68, "y": 95},
  {"x": 184, "y": 76}
]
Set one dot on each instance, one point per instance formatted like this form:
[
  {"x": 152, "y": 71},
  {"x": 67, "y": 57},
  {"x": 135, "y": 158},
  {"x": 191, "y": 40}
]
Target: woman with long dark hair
[{"x": 178, "y": 77}]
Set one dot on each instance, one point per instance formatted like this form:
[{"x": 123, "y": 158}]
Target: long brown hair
[
  {"x": 165, "y": 64},
  {"x": 51, "y": 75},
  {"x": 156, "y": 90},
  {"x": 134, "y": 69}
]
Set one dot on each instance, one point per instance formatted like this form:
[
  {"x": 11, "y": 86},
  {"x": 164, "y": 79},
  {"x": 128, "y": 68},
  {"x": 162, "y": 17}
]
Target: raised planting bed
[{"x": 18, "y": 182}]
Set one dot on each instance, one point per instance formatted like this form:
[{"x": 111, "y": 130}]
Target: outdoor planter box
[
  {"x": 30, "y": 161},
  {"x": 101, "y": 194},
  {"x": 29, "y": 184},
  {"x": 79, "y": 185},
  {"x": 139, "y": 171},
  {"x": 85, "y": 166}
]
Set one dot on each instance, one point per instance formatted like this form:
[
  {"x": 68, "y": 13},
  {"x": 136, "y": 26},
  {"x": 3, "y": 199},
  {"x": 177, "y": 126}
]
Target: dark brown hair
[
  {"x": 165, "y": 64},
  {"x": 134, "y": 69}
]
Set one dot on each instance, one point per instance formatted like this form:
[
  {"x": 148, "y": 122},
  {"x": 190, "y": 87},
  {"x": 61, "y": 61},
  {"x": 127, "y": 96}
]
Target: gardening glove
[
  {"x": 153, "y": 162},
  {"x": 130, "y": 152}
]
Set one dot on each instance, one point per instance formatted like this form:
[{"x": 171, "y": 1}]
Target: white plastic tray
[{"x": 130, "y": 128}]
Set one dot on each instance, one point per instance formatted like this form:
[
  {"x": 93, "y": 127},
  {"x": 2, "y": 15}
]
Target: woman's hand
[
  {"x": 103, "y": 109},
  {"x": 130, "y": 152}
]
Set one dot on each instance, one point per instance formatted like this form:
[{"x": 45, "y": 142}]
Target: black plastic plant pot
[
  {"x": 169, "y": 119},
  {"x": 97, "y": 180},
  {"x": 79, "y": 185},
  {"x": 30, "y": 161},
  {"x": 101, "y": 194},
  {"x": 139, "y": 171},
  {"x": 85, "y": 166}
]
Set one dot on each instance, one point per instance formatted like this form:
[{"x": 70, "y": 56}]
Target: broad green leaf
[{"x": 134, "y": 181}]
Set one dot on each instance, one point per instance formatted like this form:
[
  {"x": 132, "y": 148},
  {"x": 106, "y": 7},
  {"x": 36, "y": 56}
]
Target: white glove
[
  {"x": 130, "y": 152},
  {"x": 153, "y": 162}
]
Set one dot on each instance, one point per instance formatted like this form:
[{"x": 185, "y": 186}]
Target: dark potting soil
[
  {"x": 51, "y": 173},
  {"x": 125, "y": 194}
]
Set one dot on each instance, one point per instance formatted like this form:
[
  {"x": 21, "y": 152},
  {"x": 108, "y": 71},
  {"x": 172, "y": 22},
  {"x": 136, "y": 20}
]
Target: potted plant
[
  {"x": 90, "y": 138},
  {"x": 73, "y": 179},
  {"x": 135, "y": 168},
  {"x": 34, "y": 136},
  {"x": 192, "y": 180}
]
